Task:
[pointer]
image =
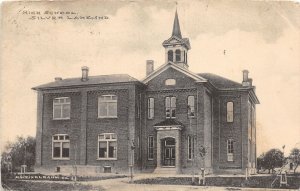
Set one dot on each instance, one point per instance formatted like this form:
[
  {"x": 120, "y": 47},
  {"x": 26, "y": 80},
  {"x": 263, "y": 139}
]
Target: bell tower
[{"x": 176, "y": 47}]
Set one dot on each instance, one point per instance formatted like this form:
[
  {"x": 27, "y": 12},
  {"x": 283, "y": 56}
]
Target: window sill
[
  {"x": 150, "y": 159},
  {"x": 107, "y": 117},
  {"x": 61, "y": 119},
  {"x": 107, "y": 159},
  {"x": 60, "y": 158}
]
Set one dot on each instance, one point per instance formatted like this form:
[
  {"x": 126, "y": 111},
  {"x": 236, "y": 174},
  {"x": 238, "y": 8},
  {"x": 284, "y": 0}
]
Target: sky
[{"x": 261, "y": 36}]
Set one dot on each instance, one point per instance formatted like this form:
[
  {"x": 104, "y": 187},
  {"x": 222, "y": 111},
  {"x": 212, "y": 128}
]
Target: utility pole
[
  {"x": 25, "y": 155},
  {"x": 131, "y": 161}
]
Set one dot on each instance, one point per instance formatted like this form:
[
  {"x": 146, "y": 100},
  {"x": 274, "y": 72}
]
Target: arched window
[
  {"x": 178, "y": 56},
  {"x": 229, "y": 111},
  {"x": 150, "y": 108},
  {"x": 170, "y": 82},
  {"x": 191, "y": 106},
  {"x": 170, "y": 107},
  {"x": 170, "y": 55}
]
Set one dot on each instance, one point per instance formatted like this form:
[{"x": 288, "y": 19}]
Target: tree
[
  {"x": 20, "y": 152},
  {"x": 272, "y": 159},
  {"x": 295, "y": 158},
  {"x": 260, "y": 162}
]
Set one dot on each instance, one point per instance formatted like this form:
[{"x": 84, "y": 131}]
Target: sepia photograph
[{"x": 150, "y": 95}]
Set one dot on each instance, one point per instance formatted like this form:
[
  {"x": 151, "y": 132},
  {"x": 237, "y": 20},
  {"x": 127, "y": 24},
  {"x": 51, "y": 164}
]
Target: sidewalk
[{"x": 123, "y": 184}]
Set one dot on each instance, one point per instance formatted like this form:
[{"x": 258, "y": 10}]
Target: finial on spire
[{"x": 176, "y": 27}]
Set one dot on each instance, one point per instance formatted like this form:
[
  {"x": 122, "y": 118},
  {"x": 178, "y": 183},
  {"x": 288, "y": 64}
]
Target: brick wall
[
  {"x": 209, "y": 124},
  {"x": 96, "y": 126},
  {"x": 84, "y": 126},
  {"x": 236, "y": 130},
  {"x": 70, "y": 126},
  {"x": 157, "y": 89}
]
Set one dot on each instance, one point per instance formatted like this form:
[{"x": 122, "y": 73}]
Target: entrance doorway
[{"x": 168, "y": 152}]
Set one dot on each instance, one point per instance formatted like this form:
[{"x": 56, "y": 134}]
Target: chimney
[
  {"x": 250, "y": 82},
  {"x": 149, "y": 67},
  {"x": 57, "y": 79},
  {"x": 246, "y": 80},
  {"x": 85, "y": 73}
]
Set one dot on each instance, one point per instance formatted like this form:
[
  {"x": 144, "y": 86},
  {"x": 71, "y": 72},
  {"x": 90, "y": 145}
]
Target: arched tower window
[
  {"x": 170, "y": 55},
  {"x": 178, "y": 56}
]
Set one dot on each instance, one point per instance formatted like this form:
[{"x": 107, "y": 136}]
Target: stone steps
[{"x": 165, "y": 170}]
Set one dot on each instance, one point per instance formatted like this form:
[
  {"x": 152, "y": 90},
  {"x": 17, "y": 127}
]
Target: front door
[{"x": 168, "y": 152}]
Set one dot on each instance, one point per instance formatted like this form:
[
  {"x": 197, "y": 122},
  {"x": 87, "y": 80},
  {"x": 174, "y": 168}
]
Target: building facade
[{"x": 173, "y": 119}]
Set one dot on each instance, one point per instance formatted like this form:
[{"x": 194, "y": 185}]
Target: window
[
  {"x": 170, "y": 107},
  {"x": 107, "y": 106},
  {"x": 186, "y": 57},
  {"x": 61, "y": 108},
  {"x": 151, "y": 108},
  {"x": 229, "y": 111},
  {"x": 107, "y": 146},
  {"x": 191, "y": 106},
  {"x": 138, "y": 107},
  {"x": 170, "y": 82},
  {"x": 190, "y": 147},
  {"x": 61, "y": 146},
  {"x": 178, "y": 56},
  {"x": 150, "y": 147},
  {"x": 229, "y": 150},
  {"x": 170, "y": 55}
]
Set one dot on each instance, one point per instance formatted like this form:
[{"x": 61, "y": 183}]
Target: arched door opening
[{"x": 168, "y": 152}]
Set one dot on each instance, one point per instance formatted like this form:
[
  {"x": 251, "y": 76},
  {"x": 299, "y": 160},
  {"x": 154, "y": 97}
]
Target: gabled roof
[
  {"x": 170, "y": 64},
  {"x": 179, "y": 41},
  {"x": 93, "y": 80},
  {"x": 176, "y": 34},
  {"x": 220, "y": 82}
]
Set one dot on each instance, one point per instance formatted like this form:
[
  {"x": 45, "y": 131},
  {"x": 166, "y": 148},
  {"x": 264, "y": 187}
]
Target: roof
[
  {"x": 93, "y": 80},
  {"x": 176, "y": 67},
  {"x": 168, "y": 122},
  {"x": 220, "y": 82},
  {"x": 176, "y": 27}
]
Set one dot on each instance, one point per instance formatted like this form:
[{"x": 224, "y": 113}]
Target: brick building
[{"x": 172, "y": 119}]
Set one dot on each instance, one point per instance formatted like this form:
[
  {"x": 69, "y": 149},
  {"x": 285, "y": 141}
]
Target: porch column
[
  {"x": 177, "y": 152},
  {"x": 158, "y": 155}
]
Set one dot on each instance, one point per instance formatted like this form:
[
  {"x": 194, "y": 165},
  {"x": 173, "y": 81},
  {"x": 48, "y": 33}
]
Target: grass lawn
[
  {"x": 9, "y": 182},
  {"x": 252, "y": 182},
  {"x": 46, "y": 185}
]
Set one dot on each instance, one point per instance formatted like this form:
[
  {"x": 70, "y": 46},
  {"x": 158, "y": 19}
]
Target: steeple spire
[
  {"x": 176, "y": 47},
  {"x": 176, "y": 28}
]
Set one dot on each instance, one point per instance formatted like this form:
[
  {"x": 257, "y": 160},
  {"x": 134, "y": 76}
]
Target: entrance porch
[{"x": 168, "y": 146}]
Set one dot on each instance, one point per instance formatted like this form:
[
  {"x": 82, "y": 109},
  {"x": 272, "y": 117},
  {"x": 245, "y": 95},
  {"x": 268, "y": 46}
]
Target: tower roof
[{"x": 176, "y": 27}]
